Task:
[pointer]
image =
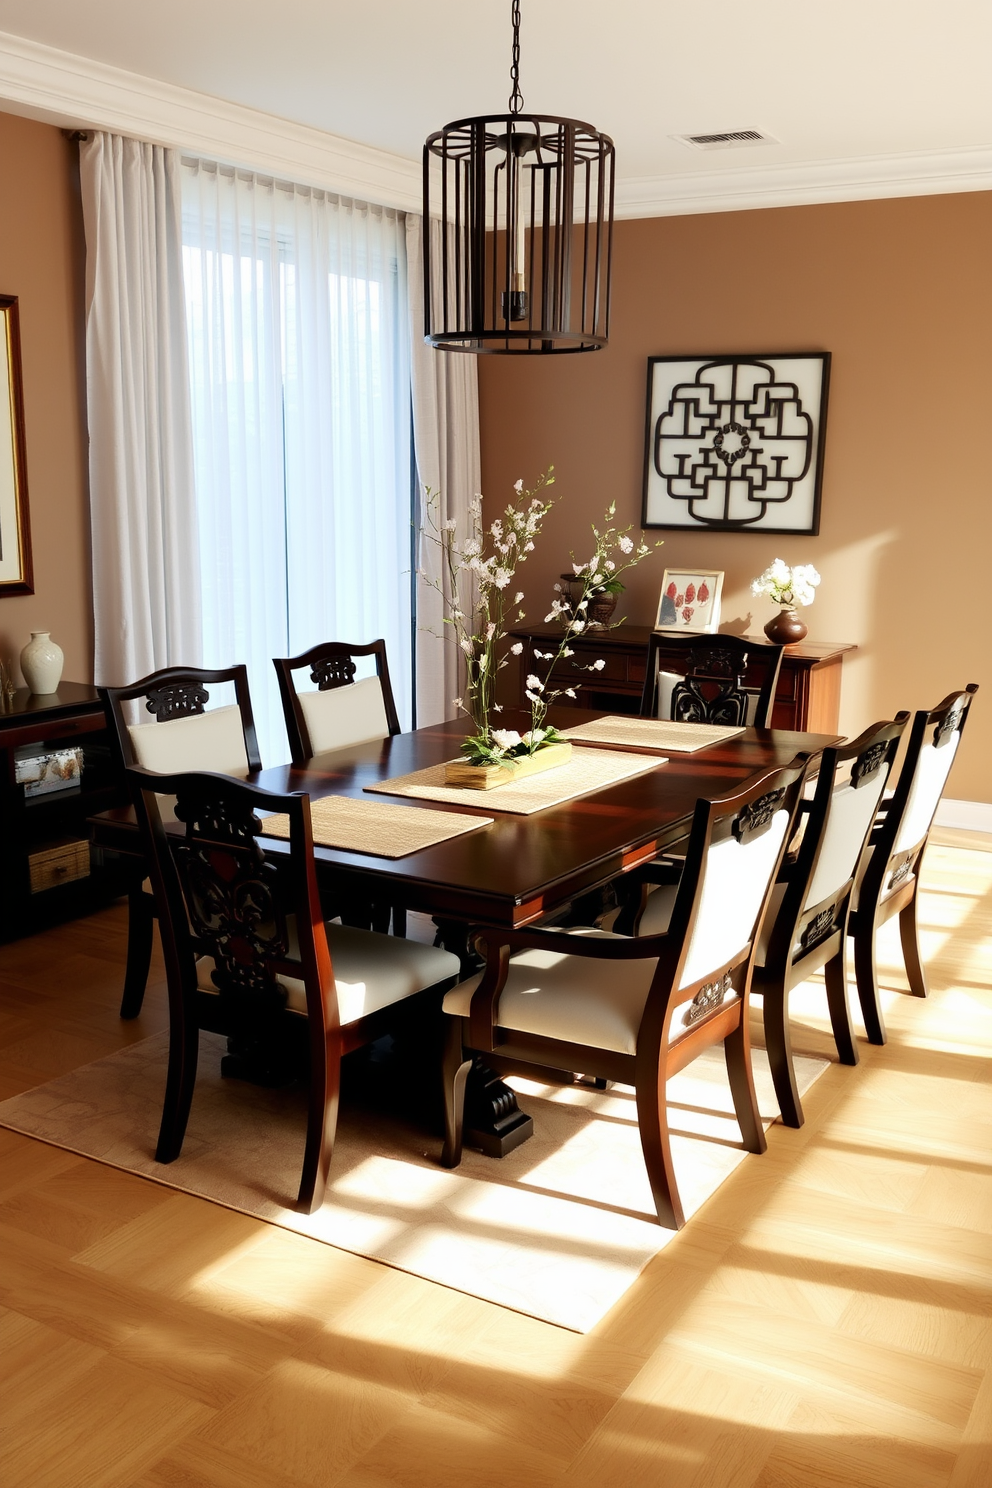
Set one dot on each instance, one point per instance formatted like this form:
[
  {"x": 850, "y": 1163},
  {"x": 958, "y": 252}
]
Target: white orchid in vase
[
  {"x": 788, "y": 587},
  {"x": 481, "y": 597}
]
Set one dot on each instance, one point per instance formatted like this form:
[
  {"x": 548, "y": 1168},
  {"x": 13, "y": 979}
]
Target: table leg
[{"x": 494, "y": 1122}]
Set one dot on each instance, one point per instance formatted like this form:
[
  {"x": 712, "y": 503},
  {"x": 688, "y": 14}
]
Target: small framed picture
[{"x": 690, "y": 601}]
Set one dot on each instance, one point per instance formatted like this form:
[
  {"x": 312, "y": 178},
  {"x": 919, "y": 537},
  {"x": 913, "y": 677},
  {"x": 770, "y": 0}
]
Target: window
[{"x": 300, "y": 384}]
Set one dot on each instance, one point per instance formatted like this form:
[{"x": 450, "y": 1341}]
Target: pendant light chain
[{"x": 516, "y": 97}]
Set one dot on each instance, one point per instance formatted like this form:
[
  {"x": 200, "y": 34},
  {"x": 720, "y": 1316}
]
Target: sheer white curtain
[
  {"x": 142, "y": 510},
  {"x": 446, "y": 435},
  {"x": 296, "y": 307}
]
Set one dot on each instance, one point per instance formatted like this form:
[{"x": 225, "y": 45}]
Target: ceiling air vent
[{"x": 730, "y": 139}]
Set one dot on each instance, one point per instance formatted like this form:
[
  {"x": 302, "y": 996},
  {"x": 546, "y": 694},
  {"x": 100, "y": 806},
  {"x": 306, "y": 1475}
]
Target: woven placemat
[
  {"x": 376, "y": 827},
  {"x": 652, "y": 733},
  {"x": 588, "y": 770}
]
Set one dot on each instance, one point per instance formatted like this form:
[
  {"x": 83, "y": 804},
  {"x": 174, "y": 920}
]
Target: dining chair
[
  {"x": 805, "y": 926},
  {"x": 182, "y": 734},
  {"x": 342, "y": 711},
  {"x": 725, "y": 680},
  {"x": 890, "y": 880},
  {"x": 637, "y": 1009},
  {"x": 248, "y": 954}
]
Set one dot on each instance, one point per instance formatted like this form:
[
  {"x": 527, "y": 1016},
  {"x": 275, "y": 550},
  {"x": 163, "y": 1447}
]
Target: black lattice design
[
  {"x": 709, "y": 996},
  {"x": 867, "y": 765},
  {"x": 733, "y": 442},
  {"x": 177, "y": 700},
  {"x": 818, "y": 928},
  {"x": 716, "y": 700},
  {"x": 947, "y": 727},
  {"x": 232, "y": 900},
  {"x": 332, "y": 671},
  {"x": 756, "y": 817}
]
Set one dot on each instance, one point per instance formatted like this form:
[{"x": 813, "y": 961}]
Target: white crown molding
[
  {"x": 967, "y": 816},
  {"x": 76, "y": 92},
  {"x": 746, "y": 189}
]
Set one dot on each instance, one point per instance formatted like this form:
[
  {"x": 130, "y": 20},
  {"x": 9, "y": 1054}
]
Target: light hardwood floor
[{"x": 825, "y": 1320}]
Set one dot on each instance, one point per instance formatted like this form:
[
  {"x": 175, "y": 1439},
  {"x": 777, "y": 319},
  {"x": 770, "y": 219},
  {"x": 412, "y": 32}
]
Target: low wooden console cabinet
[
  {"x": 807, "y": 699},
  {"x": 57, "y": 769}
]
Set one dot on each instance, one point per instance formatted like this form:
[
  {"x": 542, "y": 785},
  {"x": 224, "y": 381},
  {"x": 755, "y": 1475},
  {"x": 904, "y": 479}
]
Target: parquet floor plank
[{"x": 824, "y": 1322}]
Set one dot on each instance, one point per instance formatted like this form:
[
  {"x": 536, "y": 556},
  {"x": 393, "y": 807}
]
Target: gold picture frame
[{"x": 16, "y": 574}]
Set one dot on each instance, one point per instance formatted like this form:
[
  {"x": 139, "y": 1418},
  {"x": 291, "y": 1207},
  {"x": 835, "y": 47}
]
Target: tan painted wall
[
  {"x": 901, "y": 293},
  {"x": 41, "y": 261}
]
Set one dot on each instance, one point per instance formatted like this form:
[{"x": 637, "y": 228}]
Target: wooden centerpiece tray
[{"x": 489, "y": 777}]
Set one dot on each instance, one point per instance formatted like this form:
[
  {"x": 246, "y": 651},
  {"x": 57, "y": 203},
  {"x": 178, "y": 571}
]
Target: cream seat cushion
[
  {"x": 213, "y": 741},
  {"x": 371, "y": 971},
  {"x": 575, "y": 998},
  {"x": 341, "y": 716}
]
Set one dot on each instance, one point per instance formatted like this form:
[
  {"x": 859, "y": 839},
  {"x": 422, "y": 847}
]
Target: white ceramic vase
[{"x": 41, "y": 662}]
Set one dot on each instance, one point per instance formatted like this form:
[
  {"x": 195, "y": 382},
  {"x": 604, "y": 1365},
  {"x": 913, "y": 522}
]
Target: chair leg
[
  {"x": 322, "y": 1121},
  {"x": 652, "y": 1123},
  {"x": 140, "y": 935},
  {"x": 778, "y": 1045},
  {"x": 184, "y": 1045},
  {"x": 454, "y": 1070},
  {"x": 909, "y": 934},
  {"x": 399, "y": 922},
  {"x": 737, "y": 1052},
  {"x": 866, "y": 975},
  {"x": 835, "y": 977}
]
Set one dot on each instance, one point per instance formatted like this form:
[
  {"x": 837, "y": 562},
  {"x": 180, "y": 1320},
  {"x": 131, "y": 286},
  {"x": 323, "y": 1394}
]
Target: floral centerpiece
[
  {"x": 482, "y": 599},
  {"x": 788, "y": 587}
]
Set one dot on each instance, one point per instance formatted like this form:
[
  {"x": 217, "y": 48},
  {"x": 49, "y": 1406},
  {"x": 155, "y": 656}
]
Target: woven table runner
[
  {"x": 376, "y": 827},
  {"x": 652, "y": 733},
  {"x": 588, "y": 770}
]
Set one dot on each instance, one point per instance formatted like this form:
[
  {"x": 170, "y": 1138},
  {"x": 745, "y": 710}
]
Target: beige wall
[
  {"x": 901, "y": 293},
  {"x": 41, "y": 261}
]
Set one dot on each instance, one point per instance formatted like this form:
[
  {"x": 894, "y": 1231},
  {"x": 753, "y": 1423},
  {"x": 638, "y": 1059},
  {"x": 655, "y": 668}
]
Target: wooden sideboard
[
  {"x": 47, "y": 871},
  {"x": 807, "y": 699}
]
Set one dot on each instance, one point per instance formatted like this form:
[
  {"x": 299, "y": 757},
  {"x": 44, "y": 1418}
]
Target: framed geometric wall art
[
  {"x": 735, "y": 443},
  {"x": 15, "y": 535}
]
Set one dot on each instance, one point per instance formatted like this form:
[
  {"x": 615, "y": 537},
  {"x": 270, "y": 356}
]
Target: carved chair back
[
  {"x": 182, "y": 732},
  {"x": 342, "y": 711},
  {"x": 734, "y": 851},
  {"x": 220, "y": 897},
  {"x": 814, "y": 905},
  {"x": 902, "y": 834},
  {"x": 715, "y": 685}
]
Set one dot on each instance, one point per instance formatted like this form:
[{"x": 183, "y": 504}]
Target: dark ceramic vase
[
  {"x": 601, "y": 606},
  {"x": 786, "y": 628}
]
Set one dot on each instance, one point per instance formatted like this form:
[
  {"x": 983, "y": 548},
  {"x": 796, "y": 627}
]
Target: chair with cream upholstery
[
  {"x": 637, "y": 1010},
  {"x": 724, "y": 679},
  {"x": 181, "y": 734},
  {"x": 247, "y": 954},
  {"x": 342, "y": 711},
  {"x": 890, "y": 879},
  {"x": 805, "y": 928}
]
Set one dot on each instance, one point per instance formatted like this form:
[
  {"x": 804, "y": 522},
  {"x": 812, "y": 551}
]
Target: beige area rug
[{"x": 558, "y": 1229}]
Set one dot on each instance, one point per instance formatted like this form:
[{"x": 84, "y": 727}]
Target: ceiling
[{"x": 837, "y": 82}]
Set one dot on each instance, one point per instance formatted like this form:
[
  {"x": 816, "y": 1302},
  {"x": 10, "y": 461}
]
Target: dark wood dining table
[{"x": 519, "y": 868}]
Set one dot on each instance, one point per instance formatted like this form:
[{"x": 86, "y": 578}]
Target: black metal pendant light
[{"x": 525, "y": 203}]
